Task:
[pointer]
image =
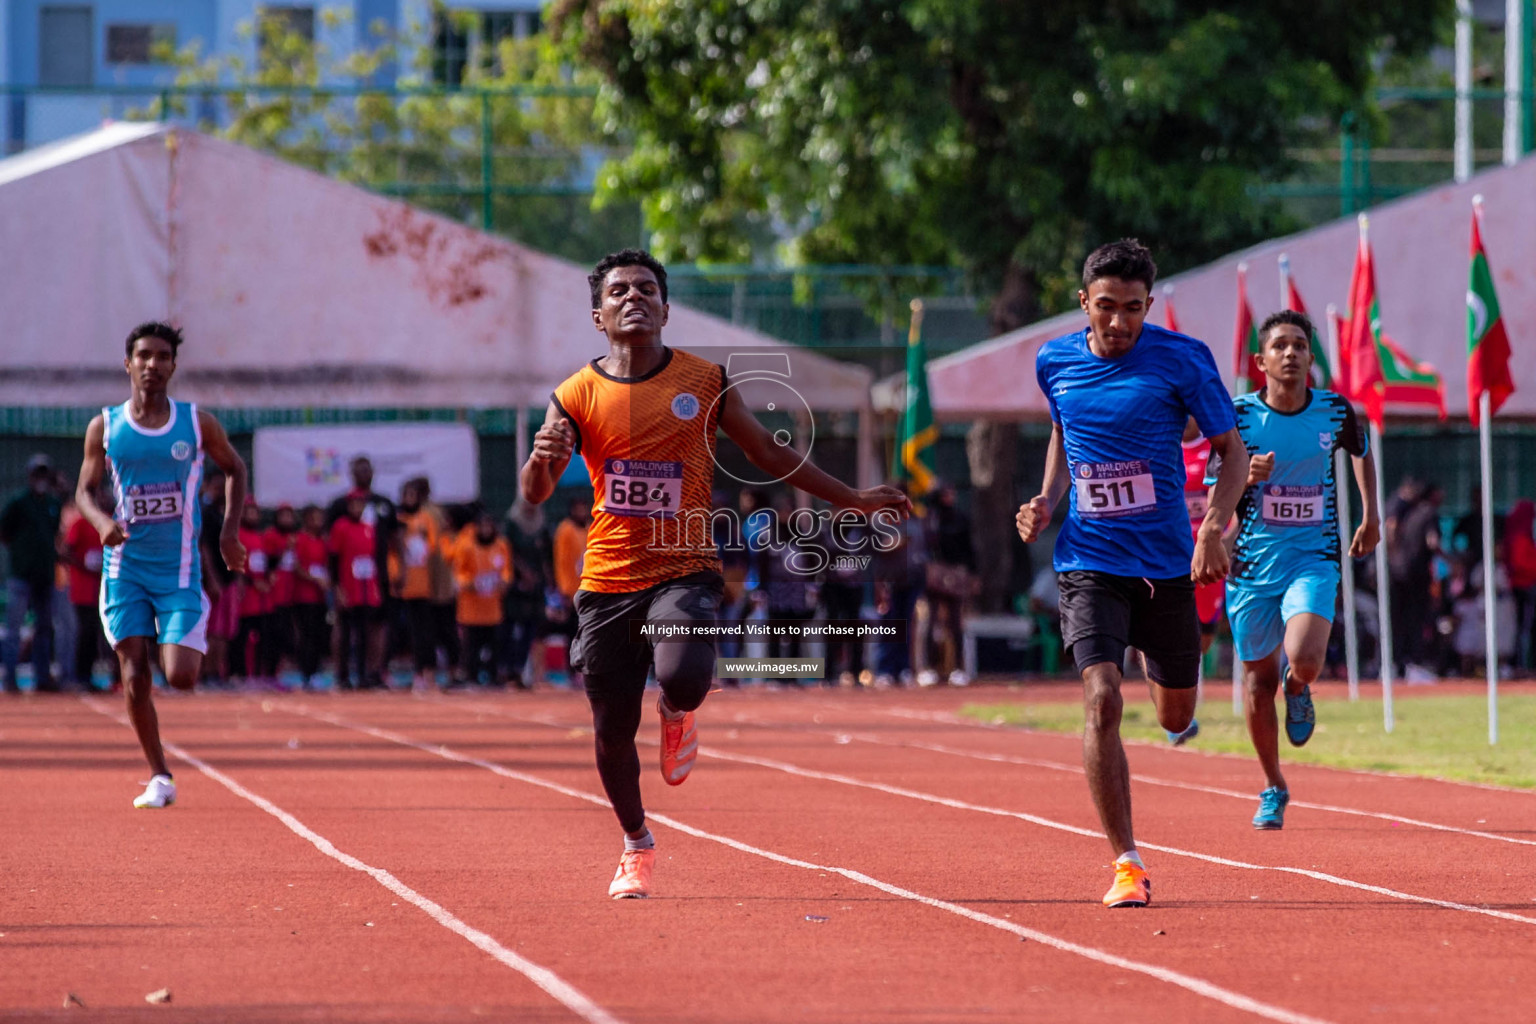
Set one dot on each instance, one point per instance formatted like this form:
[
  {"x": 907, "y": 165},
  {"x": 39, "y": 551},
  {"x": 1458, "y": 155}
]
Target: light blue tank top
[{"x": 157, "y": 477}]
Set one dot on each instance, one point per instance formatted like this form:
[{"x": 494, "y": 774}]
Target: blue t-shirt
[
  {"x": 1291, "y": 522},
  {"x": 1122, "y": 421}
]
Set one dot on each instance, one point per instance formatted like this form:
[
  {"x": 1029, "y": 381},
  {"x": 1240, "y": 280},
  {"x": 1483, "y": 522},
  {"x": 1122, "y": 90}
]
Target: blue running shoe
[
  {"x": 1271, "y": 814},
  {"x": 1300, "y": 717},
  {"x": 1178, "y": 739}
]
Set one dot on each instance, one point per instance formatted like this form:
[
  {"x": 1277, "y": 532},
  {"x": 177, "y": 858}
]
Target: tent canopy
[
  {"x": 297, "y": 290},
  {"x": 1420, "y": 244}
]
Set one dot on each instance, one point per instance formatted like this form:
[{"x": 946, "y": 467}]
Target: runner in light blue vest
[
  {"x": 152, "y": 585},
  {"x": 1285, "y": 562}
]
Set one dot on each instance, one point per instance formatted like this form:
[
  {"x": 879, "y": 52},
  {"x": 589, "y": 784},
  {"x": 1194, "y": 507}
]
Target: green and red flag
[
  {"x": 1487, "y": 341},
  {"x": 918, "y": 432},
  {"x": 1405, "y": 380},
  {"x": 1322, "y": 373},
  {"x": 1245, "y": 341}
]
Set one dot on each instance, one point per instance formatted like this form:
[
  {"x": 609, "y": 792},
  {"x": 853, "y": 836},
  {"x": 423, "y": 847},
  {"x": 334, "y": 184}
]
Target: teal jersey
[
  {"x": 1290, "y": 522},
  {"x": 157, "y": 477}
]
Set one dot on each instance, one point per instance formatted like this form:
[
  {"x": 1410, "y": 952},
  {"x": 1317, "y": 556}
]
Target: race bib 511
[
  {"x": 634, "y": 487},
  {"x": 1108, "y": 490}
]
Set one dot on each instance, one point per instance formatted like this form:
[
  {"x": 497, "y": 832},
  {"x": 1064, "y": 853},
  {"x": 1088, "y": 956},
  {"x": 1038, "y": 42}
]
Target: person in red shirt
[
  {"x": 280, "y": 543},
  {"x": 1520, "y": 556},
  {"x": 256, "y": 601},
  {"x": 311, "y": 593},
  {"x": 81, "y": 553},
  {"x": 1210, "y": 598},
  {"x": 359, "y": 601}
]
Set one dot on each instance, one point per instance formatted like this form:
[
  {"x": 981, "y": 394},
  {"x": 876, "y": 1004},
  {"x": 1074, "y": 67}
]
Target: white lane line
[
  {"x": 557, "y": 987},
  {"x": 1151, "y": 780},
  {"x": 949, "y": 718},
  {"x": 1034, "y": 819},
  {"x": 1198, "y": 986}
]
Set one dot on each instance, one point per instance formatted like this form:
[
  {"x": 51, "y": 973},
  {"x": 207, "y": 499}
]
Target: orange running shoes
[
  {"x": 633, "y": 879},
  {"x": 1132, "y": 887},
  {"x": 679, "y": 746}
]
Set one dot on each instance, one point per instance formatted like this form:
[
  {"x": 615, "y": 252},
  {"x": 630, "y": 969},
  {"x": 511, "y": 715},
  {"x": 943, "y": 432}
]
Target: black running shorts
[
  {"x": 1103, "y": 614},
  {"x": 603, "y": 644}
]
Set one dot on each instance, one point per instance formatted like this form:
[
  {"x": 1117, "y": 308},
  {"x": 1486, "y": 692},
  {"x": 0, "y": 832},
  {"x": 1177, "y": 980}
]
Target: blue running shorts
[
  {"x": 1259, "y": 614},
  {"x": 174, "y": 615}
]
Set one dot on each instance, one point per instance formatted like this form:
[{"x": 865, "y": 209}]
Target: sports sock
[
  {"x": 1133, "y": 857},
  {"x": 645, "y": 842},
  {"x": 668, "y": 712}
]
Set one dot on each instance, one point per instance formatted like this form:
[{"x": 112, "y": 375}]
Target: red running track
[{"x": 835, "y": 857}]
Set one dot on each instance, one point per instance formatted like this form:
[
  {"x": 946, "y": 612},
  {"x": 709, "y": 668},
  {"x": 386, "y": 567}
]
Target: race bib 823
[{"x": 153, "y": 503}]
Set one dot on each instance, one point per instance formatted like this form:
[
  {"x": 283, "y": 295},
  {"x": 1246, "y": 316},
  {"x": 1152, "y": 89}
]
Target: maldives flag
[
  {"x": 1487, "y": 341},
  {"x": 1405, "y": 380},
  {"x": 1322, "y": 373},
  {"x": 1245, "y": 342},
  {"x": 1359, "y": 370}
]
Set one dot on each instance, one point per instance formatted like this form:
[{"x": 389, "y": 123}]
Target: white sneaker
[
  {"x": 959, "y": 678},
  {"x": 927, "y": 677},
  {"x": 161, "y": 792}
]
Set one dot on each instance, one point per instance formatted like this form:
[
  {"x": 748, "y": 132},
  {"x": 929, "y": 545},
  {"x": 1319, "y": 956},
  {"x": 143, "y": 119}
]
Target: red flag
[
  {"x": 1359, "y": 363},
  {"x": 1487, "y": 341},
  {"x": 1245, "y": 341}
]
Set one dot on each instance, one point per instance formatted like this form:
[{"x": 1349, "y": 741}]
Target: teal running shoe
[
  {"x": 1178, "y": 739},
  {"x": 1271, "y": 814},
  {"x": 1300, "y": 716}
]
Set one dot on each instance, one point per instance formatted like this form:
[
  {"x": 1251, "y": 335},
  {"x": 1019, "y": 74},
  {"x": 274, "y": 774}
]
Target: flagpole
[
  {"x": 1285, "y": 281},
  {"x": 1346, "y": 564},
  {"x": 1383, "y": 590},
  {"x": 1490, "y": 577}
]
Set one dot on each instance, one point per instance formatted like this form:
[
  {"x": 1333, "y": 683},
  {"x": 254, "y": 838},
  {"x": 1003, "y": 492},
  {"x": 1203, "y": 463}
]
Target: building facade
[{"x": 69, "y": 66}]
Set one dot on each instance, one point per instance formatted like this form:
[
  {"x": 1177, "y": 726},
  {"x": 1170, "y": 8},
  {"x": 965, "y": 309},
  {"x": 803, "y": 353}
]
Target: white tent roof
[
  {"x": 295, "y": 289},
  {"x": 1420, "y": 244}
]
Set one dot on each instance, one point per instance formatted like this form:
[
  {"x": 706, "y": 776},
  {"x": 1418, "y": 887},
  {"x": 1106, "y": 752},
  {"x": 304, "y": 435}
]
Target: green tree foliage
[
  {"x": 1004, "y": 138},
  {"x": 427, "y": 146}
]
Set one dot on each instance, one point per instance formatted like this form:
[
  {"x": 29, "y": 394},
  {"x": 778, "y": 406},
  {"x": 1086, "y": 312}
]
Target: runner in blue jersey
[
  {"x": 152, "y": 584},
  {"x": 1120, "y": 393},
  {"x": 1285, "y": 559}
]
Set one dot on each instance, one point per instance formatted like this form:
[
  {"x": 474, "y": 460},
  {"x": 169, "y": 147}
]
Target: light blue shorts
[
  {"x": 1259, "y": 614},
  {"x": 176, "y": 615}
]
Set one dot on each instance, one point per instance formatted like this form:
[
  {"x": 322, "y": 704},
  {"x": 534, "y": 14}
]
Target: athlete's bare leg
[
  {"x": 182, "y": 665},
  {"x": 138, "y": 688},
  {"x": 1261, "y": 679},
  {"x": 1109, "y": 777},
  {"x": 1306, "y": 648}
]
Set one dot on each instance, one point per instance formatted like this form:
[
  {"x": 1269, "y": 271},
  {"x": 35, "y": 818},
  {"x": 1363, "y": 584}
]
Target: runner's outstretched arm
[
  {"x": 787, "y": 464},
  {"x": 110, "y": 531},
  {"x": 1211, "y": 563},
  {"x": 1369, "y": 533},
  {"x": 552, "y": 447},
  {"x": 1033, "y": 518}
]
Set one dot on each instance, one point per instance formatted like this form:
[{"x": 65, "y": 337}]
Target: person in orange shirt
[
  {"x": 415, "y": 547},
  {"x": 482, "y": 566},
  {"x": 645, "y": 418}
]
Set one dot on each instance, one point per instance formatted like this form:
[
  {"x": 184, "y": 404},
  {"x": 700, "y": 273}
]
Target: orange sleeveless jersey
[{"x": 649, "y": 445}]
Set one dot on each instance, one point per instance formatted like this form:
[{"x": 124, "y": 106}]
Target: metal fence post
[
  {"x": 1347, "y": 164},
  {"x": 487, "y": 170}
]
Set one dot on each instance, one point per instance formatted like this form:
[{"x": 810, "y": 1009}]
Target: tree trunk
[{"x": 992, "y": 451}]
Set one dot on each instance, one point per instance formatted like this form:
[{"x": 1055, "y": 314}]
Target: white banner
[{"x": 309, "y": 464}]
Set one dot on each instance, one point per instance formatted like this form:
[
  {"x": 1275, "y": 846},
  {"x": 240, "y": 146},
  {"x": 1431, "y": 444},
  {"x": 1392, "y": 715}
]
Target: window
[
  {"x": 279, "y": 27},
  {"x": 465, "y": 38},
  {"x": 66, "y": 55},
  {"x": 136, "y": 44}
]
